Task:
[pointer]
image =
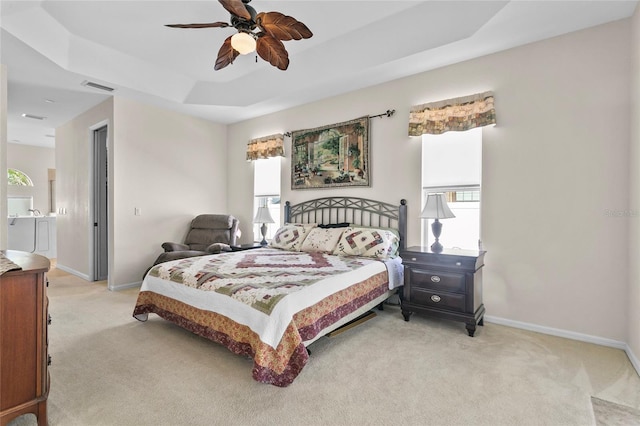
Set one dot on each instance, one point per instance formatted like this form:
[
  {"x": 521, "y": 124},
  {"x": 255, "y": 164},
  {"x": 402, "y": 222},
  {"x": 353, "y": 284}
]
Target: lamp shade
[
  {"x": 263, "y": 215},
  {"x": 244, "y": 43},
  {"x": 436, "y": 207}
]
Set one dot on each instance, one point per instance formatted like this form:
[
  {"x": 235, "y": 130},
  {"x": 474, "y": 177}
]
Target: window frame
[
  {"x": 454, "y": 169},
  {"x": 270, "y": 196}
]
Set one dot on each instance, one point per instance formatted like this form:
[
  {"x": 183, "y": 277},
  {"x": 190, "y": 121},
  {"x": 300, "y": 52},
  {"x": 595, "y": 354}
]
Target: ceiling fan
[{"x": 262, "y": 32}]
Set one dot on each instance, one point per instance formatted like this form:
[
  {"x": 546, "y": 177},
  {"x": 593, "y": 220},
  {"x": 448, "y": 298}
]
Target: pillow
[
  {"x": 322, "y": 240},
  {"x": 290, "y": 237},
  {"x": 306, "y": 225},
  {"x": 335, "y": 225},
  {"x": 368, "y": 242},
  {"x": 396, "y": 245}
]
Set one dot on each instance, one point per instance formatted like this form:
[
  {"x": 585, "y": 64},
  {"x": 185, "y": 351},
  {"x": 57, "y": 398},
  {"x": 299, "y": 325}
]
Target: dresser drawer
[
  {"x": 438, "y": 281},
  {"x": 429, "y": 298}
]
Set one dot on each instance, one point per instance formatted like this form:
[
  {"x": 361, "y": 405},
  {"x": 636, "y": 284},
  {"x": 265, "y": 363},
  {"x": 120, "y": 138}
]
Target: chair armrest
[
  {"x": 217, "y": 248},
  {"x": 234, "y": 231},
  {"x": 174, "y": 247}
]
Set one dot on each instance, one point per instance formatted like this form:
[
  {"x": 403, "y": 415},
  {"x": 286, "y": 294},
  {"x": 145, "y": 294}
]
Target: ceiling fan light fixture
[
  {"x": 243, "y": 42},
  {"x": 262, "y": 33}
]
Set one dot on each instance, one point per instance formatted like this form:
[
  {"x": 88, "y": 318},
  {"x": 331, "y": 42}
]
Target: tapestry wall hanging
[{"x": 331, "y": 156}]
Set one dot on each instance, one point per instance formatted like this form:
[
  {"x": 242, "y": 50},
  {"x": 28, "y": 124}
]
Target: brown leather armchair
[{"x": 208, "y": 234}]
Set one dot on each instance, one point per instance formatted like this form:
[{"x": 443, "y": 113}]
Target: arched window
[{"x": 16, "y": 177}]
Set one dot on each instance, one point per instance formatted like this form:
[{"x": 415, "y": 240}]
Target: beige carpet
[
  {"x": 609, "y": 413},
  {"x": 109, "y": 369}
]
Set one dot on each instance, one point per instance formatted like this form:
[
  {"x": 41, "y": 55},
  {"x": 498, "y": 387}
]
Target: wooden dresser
[{"x": 24, "y": 359}]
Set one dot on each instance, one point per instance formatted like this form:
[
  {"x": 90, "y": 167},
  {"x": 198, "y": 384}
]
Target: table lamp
[
  {"x": 263, "y": 216},
  {"x": 436, "y": 208}
]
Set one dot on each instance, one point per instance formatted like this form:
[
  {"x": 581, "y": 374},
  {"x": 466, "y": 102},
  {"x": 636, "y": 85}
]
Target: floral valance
[
  {"x": 266, "y": 147},
  {"x": 457, "y": 114}
]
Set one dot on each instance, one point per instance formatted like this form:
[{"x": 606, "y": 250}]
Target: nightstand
[{"x": 445, "y": 285}]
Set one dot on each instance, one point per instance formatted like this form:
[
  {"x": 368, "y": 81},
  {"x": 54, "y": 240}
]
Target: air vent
[
  {"x": 35, "y": 117},
  {"x": 97, "y": 86}
]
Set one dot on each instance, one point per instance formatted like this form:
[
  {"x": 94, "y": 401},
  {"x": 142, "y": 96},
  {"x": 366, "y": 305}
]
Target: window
[
  {"x": 18, "y": 178},
  {"x": 266, "y": 191},
  {"x": 463, "y": 196},
  {"x": 19, "y": 205},
  {"x": 452, "y": 163}
]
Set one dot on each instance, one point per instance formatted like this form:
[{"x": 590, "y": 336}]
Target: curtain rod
[{"x": 387, "y": 113}]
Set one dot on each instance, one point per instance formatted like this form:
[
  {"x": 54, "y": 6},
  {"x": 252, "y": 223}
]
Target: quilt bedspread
[
  {"x": 258, "y": 278},
  {"x": 260, "y": 303}
]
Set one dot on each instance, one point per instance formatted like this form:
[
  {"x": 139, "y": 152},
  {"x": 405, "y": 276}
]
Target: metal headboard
[{"x": 356, "y": 211}]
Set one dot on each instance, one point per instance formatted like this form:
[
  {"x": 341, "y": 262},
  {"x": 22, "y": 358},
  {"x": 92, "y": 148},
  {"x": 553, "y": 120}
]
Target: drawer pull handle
[
  {"x": 458, "y": 263},
  {"x": 435, "y": 298},
  {"x": 435, "y": 278},
  {"x": 413, "y": 259}
]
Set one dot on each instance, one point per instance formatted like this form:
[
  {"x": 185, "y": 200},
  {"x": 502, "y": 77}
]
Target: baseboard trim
[
  {"x": 86, "y": 277},
  {"x": 125, "y": 286},
  {"x": 633, "y": 358},
  {"x": 557, "y": 332},
  {"x": 73, "y": 272},
  {"x": 569, "y": 335}
]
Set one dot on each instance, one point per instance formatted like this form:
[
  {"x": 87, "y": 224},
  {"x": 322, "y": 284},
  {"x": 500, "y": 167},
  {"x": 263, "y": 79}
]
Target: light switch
[{"x": 136, "y": 211}]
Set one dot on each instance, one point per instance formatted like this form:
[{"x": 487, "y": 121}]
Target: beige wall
[
  {"x": 633, "y": 335},
  {"x": 552, "y": 167},
  {"x": 73, "y": 188},
  {"x": 35, "y": 162},
  {"x": 170, "y": 166}
]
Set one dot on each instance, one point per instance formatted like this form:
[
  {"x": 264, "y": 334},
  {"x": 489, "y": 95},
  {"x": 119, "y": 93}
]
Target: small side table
[
  {"x": 445, "y": 285},
  {"x": 249, "y": 246}
]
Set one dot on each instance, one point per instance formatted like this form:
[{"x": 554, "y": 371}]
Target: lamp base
[
  {"x": 263, "y": 231},
  {"x": 436, "y": 228}
]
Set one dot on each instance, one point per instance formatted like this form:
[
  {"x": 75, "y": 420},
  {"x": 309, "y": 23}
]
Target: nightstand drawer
[
  {"x": 438, "y": 281},
  {"x": 449, "y": 262},
  {"x": 448, "y": 301}
]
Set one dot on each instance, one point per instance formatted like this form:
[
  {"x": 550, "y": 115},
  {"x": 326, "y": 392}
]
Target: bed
[{"x": 334, "y": 260}]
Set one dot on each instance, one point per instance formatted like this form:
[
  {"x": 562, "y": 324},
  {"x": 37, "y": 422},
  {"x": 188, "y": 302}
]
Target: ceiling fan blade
[
  {"x": 282, "y": 27},
  {"x": 272, "y": 50},
  {"x": 236, "y": 7},
  {"x": 226, "y": 55},
  {"x": 209, "y": 25}
]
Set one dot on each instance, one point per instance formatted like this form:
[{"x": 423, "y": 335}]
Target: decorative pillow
[
  {"x": 395, "y": 248},
  {"x": 290, "y": 237},
  {"x": 306, "y": 225},
  {"x": 334, "y": 225},
  {"x": 322, "y": 240},
  {"x": 368, "y": 242}
]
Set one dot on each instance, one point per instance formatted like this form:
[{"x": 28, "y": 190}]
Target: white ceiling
[{"x": 50, "y": 47}]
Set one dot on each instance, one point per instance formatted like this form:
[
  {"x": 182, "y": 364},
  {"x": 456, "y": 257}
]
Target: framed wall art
[{"x": 331, "y": 156}]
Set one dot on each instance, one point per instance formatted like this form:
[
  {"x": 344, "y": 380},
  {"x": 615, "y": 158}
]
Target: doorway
[{"x": 100, "y": 205}]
